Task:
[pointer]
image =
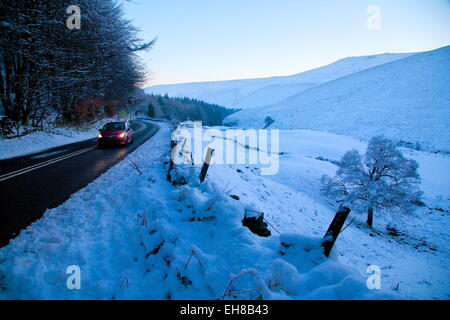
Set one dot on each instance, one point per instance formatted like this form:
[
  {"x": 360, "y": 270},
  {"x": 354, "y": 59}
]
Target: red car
[{"x": 115, "y": 133}]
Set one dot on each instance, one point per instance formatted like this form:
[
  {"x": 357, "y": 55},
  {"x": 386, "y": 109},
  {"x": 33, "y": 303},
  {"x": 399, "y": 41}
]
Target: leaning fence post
[
  {"x": 205, "y": 167},
  {"x": 171, "y": 164},
  {"x": 334, "y": 229}
]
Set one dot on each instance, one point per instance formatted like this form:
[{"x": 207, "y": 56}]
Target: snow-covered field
[
  {"x": 407, "y": 100},
  {"x": 137, "y": 236},
  {"x": 250, "y": 93},
  {"x": 414, "y": 263},
  {"x": 42, "y": 140}
]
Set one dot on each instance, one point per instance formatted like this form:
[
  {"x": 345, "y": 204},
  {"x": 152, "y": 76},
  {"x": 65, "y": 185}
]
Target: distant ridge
[
  {"x": 407, "y": 100},
  {"x": 263, "y": 91}
]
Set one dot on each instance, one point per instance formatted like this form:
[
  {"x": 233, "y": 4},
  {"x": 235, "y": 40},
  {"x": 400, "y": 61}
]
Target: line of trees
[
  {"x": 183, "y": 109},
  {"x": 48, "y": 67}
]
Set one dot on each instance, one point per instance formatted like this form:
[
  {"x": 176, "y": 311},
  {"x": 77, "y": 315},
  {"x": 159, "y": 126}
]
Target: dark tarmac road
[{"x": 31, "y": 184}]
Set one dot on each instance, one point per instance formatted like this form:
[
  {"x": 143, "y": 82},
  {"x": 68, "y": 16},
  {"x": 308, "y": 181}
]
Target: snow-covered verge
[
  {"x": 137, "y": 236},
  {"x": 413, "y": 253},
  {"x": 42, "y": 140},
  {"x": 408, "y": 100}
]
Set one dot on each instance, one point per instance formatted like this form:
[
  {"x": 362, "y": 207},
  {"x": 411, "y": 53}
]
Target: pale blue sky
[{"x": 202, "y": 40}]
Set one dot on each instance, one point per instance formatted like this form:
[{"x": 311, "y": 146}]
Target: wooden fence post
[
  {"x": 172, "y": 146},
  {"x": 205, "y": 167},
  {"x": 334, "y": 229}
]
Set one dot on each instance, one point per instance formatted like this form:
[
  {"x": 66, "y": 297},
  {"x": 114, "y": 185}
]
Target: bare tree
[
  {"x": 382, "y": 179},
  {"x": 44, "y": 64}
]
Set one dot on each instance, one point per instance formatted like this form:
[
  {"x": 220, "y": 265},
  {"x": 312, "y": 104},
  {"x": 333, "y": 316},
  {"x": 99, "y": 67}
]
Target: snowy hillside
[
  {"x": 263, "y": 91},
  {"x": 168, "y": 242},
  {"x": 188, "y": 242},
  {"x": 407, "y": 100},
  {"x": 411, "y": 249}
]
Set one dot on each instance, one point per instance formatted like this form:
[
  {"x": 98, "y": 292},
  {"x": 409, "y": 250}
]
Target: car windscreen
[{"x": 114, "y": 126}]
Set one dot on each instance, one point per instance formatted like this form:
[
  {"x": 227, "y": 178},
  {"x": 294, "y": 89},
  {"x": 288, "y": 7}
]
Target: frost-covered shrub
[
  {"x": 382, "y": 178},
  {"x": 6, "y": 127}
]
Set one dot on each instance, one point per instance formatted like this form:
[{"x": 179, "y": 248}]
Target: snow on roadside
[
  {"x": 41, "y": 140},
  {"x": 138, "y": 237}
]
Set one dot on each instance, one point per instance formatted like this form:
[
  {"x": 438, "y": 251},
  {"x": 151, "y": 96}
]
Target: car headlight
[
  {"x": 99, "y": 136},
  {"x": 122, "y": 135}
]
